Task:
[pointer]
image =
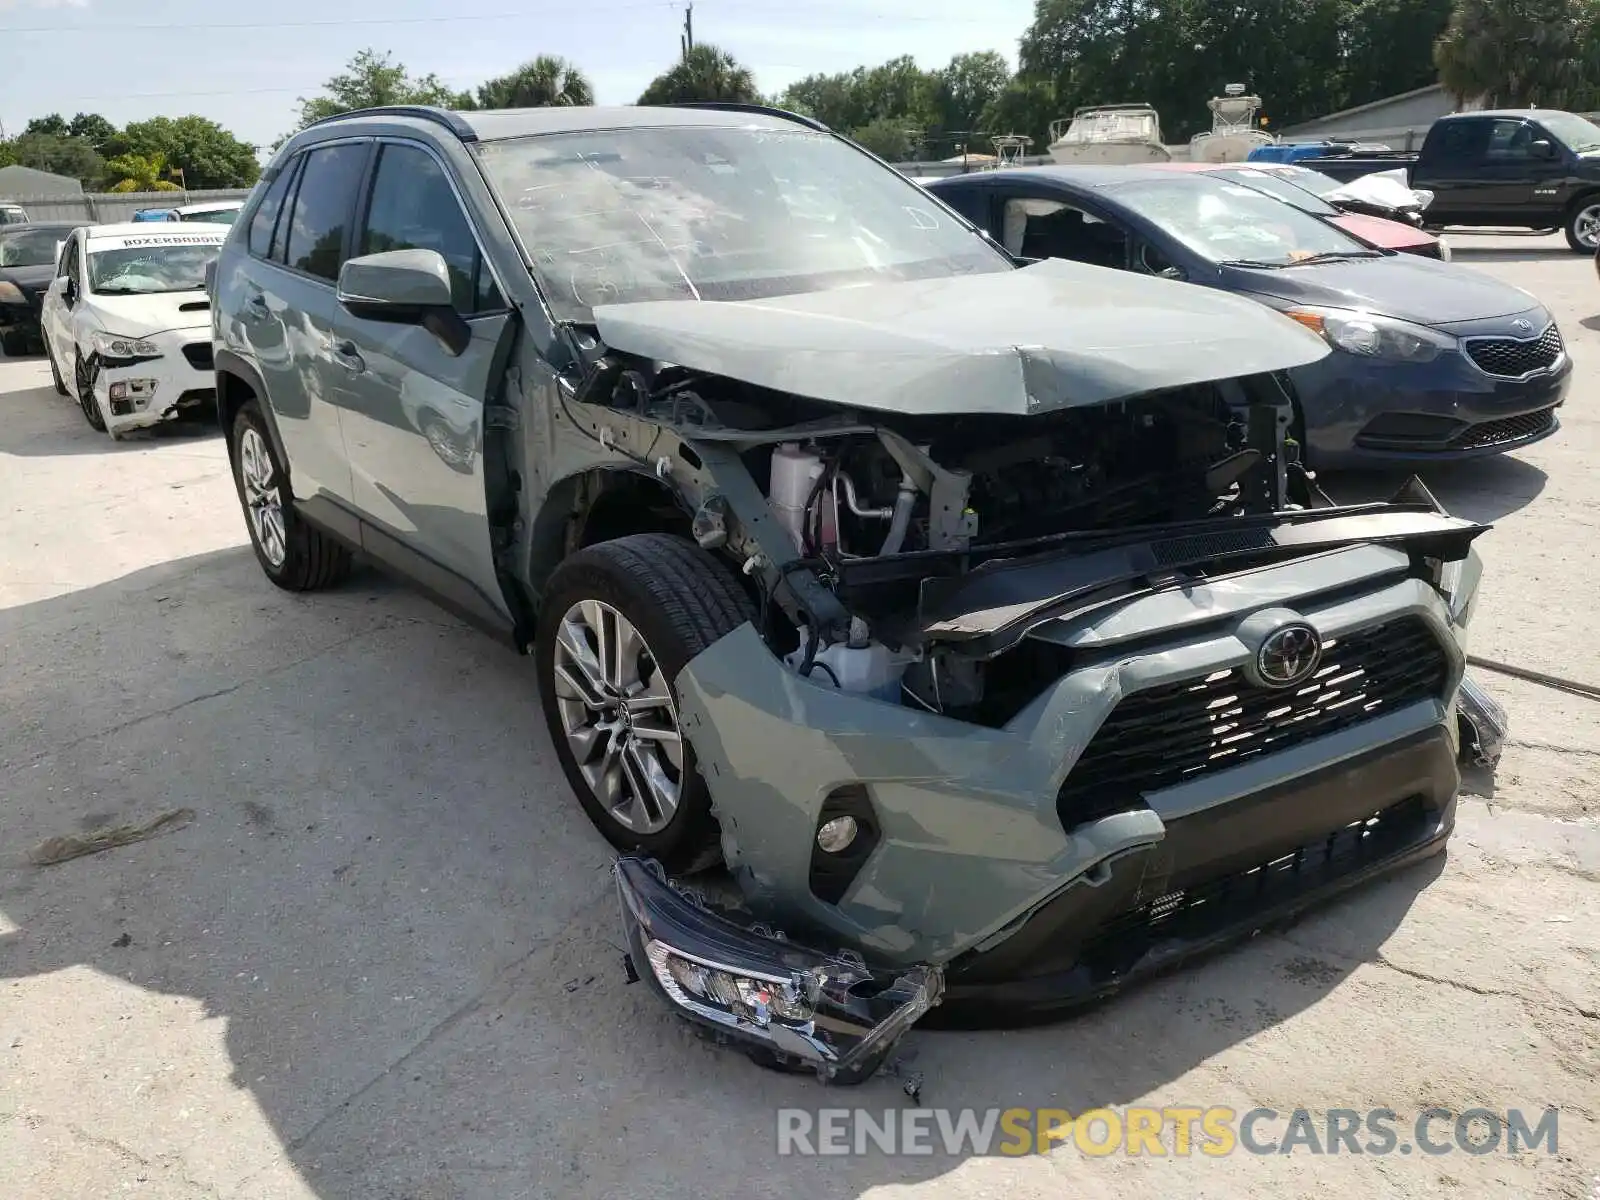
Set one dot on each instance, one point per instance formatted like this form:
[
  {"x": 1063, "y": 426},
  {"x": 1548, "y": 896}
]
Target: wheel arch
[
  {"x": 599, "y": 505},
  {"x": 238, "y": 382}
]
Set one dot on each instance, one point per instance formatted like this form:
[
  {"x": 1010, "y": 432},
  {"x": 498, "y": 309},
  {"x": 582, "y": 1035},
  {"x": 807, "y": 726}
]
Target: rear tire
[
  {"x": 86, "y": 400},
  {"x": 1583, "y": 226},
  {"x": 658, "y": 601},
  {"x": 15, "y": 345},
  {"x": 296, "y": 556}
]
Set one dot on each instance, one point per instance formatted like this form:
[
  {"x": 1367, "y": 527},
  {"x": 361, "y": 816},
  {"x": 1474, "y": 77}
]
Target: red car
[{"x": 1301, "y": 187}]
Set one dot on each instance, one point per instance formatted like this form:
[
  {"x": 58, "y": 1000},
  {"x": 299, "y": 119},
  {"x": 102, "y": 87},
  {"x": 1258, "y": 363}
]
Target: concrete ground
[{"x": 382, "y": 962}]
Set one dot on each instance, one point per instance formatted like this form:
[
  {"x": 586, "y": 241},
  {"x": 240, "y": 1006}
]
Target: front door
[{"x": 414, "y": 425}]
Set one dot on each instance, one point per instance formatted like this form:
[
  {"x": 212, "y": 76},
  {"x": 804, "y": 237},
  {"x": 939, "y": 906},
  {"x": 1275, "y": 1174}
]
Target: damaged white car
[{"x": 127, "y": 326}]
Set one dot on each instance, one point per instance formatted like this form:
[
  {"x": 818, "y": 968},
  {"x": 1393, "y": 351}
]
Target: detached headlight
[
  {"x": 787, "y": 1005},
  {"x": 1368, "y": 335},
  {"x": 10, "y": 293},
  {"x": 114, "y": 345}
]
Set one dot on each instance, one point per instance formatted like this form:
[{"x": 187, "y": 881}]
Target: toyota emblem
[
  {"x": 1288, "y": 655},
  {"x": 1522, "y": 326}
]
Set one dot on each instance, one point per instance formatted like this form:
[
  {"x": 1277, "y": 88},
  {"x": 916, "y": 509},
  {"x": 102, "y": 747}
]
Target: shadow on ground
[
  {"x": 409, "y": 929},
  {"x": 1484, "y": 489}
]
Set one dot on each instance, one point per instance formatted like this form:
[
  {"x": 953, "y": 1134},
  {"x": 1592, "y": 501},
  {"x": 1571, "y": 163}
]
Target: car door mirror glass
[
  {"x": 1543, "y": 148},
  {"x": 404, "y": 287}
]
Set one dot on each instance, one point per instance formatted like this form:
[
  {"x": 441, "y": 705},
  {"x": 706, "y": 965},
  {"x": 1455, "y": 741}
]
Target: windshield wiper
[
  {"x": 1254, "y": 264},
  {"x": 1333, "y": 256}
]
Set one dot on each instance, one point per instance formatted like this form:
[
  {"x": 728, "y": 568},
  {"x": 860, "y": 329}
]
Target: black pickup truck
[{"x": 1534, "y": 168}]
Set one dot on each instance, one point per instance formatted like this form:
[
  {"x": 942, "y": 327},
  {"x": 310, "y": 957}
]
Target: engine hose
[{"x": 1587, "y": 690}]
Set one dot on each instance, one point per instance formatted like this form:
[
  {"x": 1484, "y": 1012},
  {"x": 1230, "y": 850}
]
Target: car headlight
[
  {"x": 114, "y": 345},
  {"x": 786, "y": 1005},
  {"x": 1368, "y": 335},
  {"x": 10, "y": 293}
]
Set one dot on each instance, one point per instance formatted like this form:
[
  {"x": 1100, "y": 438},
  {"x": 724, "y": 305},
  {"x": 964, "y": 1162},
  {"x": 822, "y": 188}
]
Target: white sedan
[{"x": 127, "y": 322}]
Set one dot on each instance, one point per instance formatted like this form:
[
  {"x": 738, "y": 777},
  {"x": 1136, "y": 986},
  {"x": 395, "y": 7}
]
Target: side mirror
[
  {"x": 404, "y": 287},
  {"x": 1544, "y": 148},
  {"x": 69, "y": 291},
  {"x": 211, "y": 278}
]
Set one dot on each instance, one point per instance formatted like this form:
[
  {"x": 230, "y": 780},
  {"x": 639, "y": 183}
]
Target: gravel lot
[{"x": 382, "y": 961}]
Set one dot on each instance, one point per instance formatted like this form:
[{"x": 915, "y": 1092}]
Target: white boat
[
  {"x": 1109, "y": 134},
  {"x": 1233, "y": 128}
]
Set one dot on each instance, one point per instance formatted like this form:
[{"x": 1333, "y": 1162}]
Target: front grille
[
  {"x": 199, "y": 355},
  {"x": 1505, "y": 430},
  {"x": 1177, "y": 732},
  {"x": 1511, "y": 358},
  {"x": 1213, "y": 906}
]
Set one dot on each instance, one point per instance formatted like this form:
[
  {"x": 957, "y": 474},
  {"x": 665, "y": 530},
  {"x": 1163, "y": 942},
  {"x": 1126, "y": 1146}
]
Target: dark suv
[{"x": 980, "y": 617}]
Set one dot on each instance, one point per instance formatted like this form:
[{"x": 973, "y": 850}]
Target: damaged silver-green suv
[{"x": 977, "y": 615}]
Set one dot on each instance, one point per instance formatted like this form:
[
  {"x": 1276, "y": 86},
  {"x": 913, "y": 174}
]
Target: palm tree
[
  {"x": 705, "y": 73},
  {"x": 1504, "y": 53},
  {"x": 548, "y": 81}
]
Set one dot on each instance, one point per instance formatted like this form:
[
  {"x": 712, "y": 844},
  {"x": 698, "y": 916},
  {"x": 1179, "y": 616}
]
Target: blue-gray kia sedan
[{"x": 1432, "y": 360}]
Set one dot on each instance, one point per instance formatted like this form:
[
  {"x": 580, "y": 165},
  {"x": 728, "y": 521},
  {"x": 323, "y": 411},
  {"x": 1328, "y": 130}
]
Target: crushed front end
[{"x": 1041, "y": 697}]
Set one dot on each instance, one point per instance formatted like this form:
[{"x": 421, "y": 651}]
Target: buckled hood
[
  {"x": 1049, "y": 336},
  {"x": 153, "y": 313}
]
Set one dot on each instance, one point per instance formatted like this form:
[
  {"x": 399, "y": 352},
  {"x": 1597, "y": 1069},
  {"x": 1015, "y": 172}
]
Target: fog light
[
  {"x": 126, "y": 389},
  {"x": 836, "y": 835}
]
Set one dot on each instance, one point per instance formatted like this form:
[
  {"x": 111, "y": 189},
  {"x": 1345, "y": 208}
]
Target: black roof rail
[
  {"x": 766, "y": 110},
  {"x": 422, "y": 112}
]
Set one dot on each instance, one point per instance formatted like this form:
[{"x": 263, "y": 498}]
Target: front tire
[
  {"x": 618, "y": 624},
  {"x": 294, "y": 555},
  {"x": 86, "y": 401},
  {"x": 15, "y": 345},
  {"x": 1583, "y": 226}
]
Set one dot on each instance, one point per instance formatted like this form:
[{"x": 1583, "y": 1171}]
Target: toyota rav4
[{"x": 979, "y": 616}]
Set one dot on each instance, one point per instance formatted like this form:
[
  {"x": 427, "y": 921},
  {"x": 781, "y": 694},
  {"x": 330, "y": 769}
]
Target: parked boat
[
  {"x": 1233, "y": 134},
  {"x": 1109, "y": 134}
]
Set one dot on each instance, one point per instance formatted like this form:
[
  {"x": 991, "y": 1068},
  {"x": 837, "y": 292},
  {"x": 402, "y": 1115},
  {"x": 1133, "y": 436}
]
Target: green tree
[
  {"x": 546, "y": 82},
  {"x": 891, "y": 140},
  {"x": 54, "y": 125},
  {"x": 966, "y": 88},
  {"x": 8, "y": 156},
  {"x": 371, "y": 80},
  {"x": 207, "y": 154},
  {"x": 705, "y": 73},
  {"x": 69, "y": 156},
  {"x": 1026, "y": 107},
  {"x": 1388, "y": 47},
  {"x": 1514, "y": 52},
  {"x": 135, "y": 172},
  {"x": 96, "y": 130}
]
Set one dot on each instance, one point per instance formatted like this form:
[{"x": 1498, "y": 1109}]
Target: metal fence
[{"x": 105, "y": 208}]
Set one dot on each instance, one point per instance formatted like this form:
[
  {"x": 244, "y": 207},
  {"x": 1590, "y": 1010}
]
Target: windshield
[
  {"x": 1227, "y": 223},
  {"x": 718, "y": 213},
  {"x": 30, "y": 247},
  {"x": 149, "y": 269},
  {"x": 1272, "y": 183},
  {"x": 1579, "y": 134}
]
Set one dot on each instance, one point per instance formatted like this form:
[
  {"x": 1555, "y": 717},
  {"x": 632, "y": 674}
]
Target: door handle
[
  {"x": 347, "y": 356},
  {"x": 255, "y": 306}
]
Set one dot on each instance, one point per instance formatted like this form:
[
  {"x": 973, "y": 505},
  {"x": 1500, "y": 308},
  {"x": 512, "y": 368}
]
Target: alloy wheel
[
  {"x": 1586, "y": 226},
  {"x": 619, "y": 716},
  {"x": 263, "y": 499}
]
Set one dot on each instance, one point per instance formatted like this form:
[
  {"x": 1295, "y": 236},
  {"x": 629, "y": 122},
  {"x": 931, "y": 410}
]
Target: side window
[
  {"x": 1051, "y": 229},
  {"x": 1510, "y": 141},
  {"x": 323, "y": 206},
  {"x": 414, "y": 208},
  {"x": 1462, "y": 143},
  {"x": 266, "y": 215}
]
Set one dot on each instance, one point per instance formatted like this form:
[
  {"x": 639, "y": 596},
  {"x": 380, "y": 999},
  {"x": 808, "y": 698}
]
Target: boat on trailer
[
  {"x": 1109, "y": 134},
  {"x": 1233, "y": 134}
]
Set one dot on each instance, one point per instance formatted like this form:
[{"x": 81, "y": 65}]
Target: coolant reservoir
[
  {"x": 794, "y": 474},
  {"x": 872, "y": 670}
]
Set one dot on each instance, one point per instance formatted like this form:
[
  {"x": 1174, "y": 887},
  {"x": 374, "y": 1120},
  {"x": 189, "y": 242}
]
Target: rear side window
[
  {"x": 323, "y": 206},
  {"x": 266, "y": 217},
  {"x": 414, "y": 208},
  {"x": 1460, "y": 144}
]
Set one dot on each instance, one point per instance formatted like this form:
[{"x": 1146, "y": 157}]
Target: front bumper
[
  {"x": 137, "y": 393},
  {"x": 1361, "y": 413}
]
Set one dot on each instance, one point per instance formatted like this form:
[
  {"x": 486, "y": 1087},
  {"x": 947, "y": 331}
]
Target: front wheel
[
  {"x": 83, "y": 379},
  {"x": 1583, "y": 226},
  {"x": 619, "y": 622}
]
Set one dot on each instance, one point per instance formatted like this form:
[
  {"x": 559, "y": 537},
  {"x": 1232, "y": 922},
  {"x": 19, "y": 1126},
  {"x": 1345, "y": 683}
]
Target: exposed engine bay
[{"x": 869, "y": 521}]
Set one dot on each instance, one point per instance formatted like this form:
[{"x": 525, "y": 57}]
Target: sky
[{"x": 230, "y": 61}]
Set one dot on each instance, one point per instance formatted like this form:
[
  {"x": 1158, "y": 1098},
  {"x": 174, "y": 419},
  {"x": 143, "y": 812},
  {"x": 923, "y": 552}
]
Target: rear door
[
  {"x": 415, "y": 421},
  {"x": 298, "y": 239},
  {"x": 1453, "y": 166}
]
